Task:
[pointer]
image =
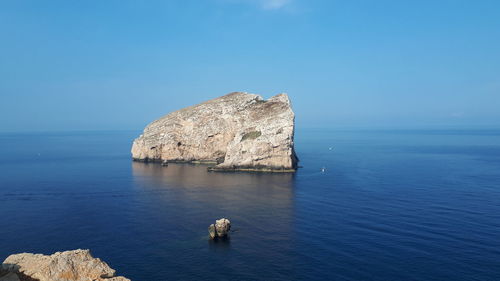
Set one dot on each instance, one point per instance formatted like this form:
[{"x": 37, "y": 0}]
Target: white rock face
[
  {"x": 77, "y": 265},
  {"x": 238, "y": 131},
  {"x": 220, "y": 228}
]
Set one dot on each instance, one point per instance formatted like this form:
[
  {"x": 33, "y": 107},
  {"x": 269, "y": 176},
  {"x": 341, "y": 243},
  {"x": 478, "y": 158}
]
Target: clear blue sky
[{"x": 118, "y": 64}]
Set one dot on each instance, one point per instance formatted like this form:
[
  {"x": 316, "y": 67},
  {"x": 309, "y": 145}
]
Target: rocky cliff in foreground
[
  {"x": 77, "y": 265},
  {"x": 235, "y": 132}
]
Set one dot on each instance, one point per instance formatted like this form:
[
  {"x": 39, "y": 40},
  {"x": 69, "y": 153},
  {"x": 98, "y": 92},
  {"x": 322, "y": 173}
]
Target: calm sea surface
[{"x": 391, "y": 205}]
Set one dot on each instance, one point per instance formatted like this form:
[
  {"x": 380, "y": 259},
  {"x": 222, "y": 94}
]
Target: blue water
[{"x": 391, "y": 205}]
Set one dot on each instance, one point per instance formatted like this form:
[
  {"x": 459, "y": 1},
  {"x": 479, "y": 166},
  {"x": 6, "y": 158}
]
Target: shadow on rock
[{"x": 14, "y": 275}]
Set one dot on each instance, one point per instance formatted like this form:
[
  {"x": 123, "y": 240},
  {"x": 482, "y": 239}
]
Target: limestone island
[{"x": 236, "y": 132}]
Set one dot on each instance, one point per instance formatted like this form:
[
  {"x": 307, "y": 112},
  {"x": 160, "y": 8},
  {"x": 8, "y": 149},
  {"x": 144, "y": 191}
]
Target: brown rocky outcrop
[{"x": 77, "y": 265}]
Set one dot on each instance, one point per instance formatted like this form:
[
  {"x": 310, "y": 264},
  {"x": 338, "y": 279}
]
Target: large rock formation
[
  {"x": 77, "y": 265},
  {"x": 238, "y": 131}
]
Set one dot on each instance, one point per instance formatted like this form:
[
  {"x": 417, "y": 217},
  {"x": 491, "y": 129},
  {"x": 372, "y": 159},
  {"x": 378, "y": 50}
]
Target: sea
[{"x": 365, "y": 205}]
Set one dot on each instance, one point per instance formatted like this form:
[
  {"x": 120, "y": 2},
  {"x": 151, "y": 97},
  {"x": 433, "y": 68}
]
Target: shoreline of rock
[
  {"x": 251, "y": 169},
  {"x": 211, "y": 168},
  {"x": 160, "y": 161}
]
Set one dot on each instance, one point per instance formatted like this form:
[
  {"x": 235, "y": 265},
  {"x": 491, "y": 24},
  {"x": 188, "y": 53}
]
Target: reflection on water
[
  {"x": 183, "y": 200},
  {"x": 188, "y": 176},
  {"x": 220, "y": 245},
  {"x": 199, "y": 188}
]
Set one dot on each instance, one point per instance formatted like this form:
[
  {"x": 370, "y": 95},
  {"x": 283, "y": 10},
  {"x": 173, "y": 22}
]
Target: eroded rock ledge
[
  {"x": 235, "y": 132},
  {"x": 76, "y": 265}
]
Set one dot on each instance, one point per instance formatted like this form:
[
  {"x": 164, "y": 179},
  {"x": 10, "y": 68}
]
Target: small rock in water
[{"x": 219, "y": 229}]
